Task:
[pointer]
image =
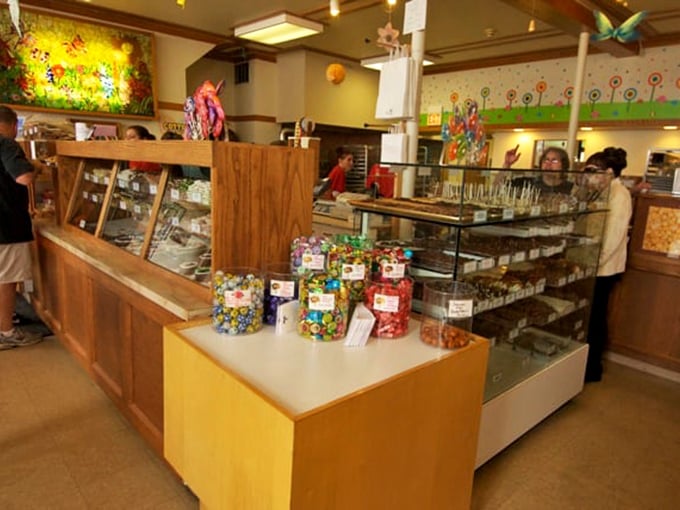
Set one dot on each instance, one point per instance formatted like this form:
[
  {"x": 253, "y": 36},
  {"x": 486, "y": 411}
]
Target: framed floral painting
[{"x": 59, "y": 63}]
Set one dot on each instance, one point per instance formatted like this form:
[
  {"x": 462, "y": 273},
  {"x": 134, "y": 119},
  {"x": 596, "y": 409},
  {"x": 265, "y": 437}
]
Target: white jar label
[
  {"x": 353, "y": 271},
  {"x": 238, "y": 298},
  {"x": 317, "y": 262},
  {"x": 460, "y": 308},
  {"x": 393, "y": 270},
  {"x": 174, "y": 194},
  {"x": 384, "y": 303},
  {"x": 282, "y": 288},
  {"x": 322, "y": 302}
]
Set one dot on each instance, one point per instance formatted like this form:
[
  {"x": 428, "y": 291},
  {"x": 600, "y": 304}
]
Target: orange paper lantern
[{"x": 335, "y": 73}]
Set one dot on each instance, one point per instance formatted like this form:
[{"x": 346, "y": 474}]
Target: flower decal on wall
[
  {"x": 510, "y": 95},
  {"x": 629, "y": 95},
  {"x": 594, "y": 96},
  {"x": 654, "y": 79},
  {"x": 541, "y": 87},
  {"x": 614, "y": 83},
  {"x": 485, "y": 92}
]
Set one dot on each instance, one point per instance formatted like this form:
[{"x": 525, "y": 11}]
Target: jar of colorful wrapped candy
[
  {"x": 238, "y": 300},
  {"x": 281, "y": 286},
  {"x": 324, "y": 307},
  {"x": 351, "y": 258},
  {"x": 390, "y": 303},
  {"x": 390, "y": 263},
  {"x": 310, "y": 253}
]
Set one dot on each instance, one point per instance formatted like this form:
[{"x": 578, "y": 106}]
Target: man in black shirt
[{"x": 16, "y": 232}]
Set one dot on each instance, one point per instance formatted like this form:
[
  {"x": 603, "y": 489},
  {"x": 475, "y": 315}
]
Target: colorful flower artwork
[{"x": 65, "y": 64}]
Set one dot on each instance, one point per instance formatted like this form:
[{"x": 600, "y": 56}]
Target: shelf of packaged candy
[
  {"x": 90, "y": 194},
  {"x": 181, "y": 240}
]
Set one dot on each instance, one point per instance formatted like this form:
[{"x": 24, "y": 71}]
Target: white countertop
[{"x": 300, "y": 375}]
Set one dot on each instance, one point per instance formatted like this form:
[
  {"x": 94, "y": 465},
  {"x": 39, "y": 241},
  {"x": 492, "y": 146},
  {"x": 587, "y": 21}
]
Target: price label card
[
  {"x": 122, "y": 206},
  {"x": 504, "y": 260},
  {"x": 286, "y": 317},
  {"x": 174, "y": 194},
  {"x": 384, "y": 303},
  {"x": 578, "y": 325},
  {"x": 497, "y": 302},
  {"x": 238, "y": 298},
  {"x": 552, "y": 317},
  {"x": 513, "y": 333},
  {"x": 486, "y": 263},
  {"x": 196, "y": 197},
  {"x": 470, "y": 267},
  {"x": 82, "y": 223},
  {"x": 479, "y": 216},
  {"x": 534, "y": 253},
  {"x": 94, "y": 198},
  {"x": 510, "y": 298},
  {"x": 508, "y": 213},
  {"x": 282, "y": 288},
  {"x": 86, "y": 176},
  {"x": 95, "y": 179},
  {"x": 322, "y": 302},
  {"x": 581, "y": 206},
  {"x": 196, "y": 228},
  {"x": 122, "y": 183},
  {"x": 393, "y": 270},
  {"x": 519, "y": 256},
  {"x": 174, "y": 221},
  {"x": 460, "y": 308},
  {"x": 135, "y": 186},
  {"x": 107, "y": 180},
  {"x": 317, "y": 262},
  {"x": 564, "y": 208},
  {"x": 353, "y": 271},
  {"x": 153, "y": 189},
  {"x": 540, "y": 286},
  {"x": 561, "y": 281},
  {"x": 571, "y": 278},
  {"x": 535, "y": 210},
  {"x": 137, "y": 209}
]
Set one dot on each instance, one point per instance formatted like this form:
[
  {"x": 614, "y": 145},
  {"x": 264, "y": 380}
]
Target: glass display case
[
  {"x": 161, "y": 216},
  {"x": 528, "y": 241}
]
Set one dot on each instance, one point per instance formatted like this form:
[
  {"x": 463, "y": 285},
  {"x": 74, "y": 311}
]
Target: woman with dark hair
[
  {"x": 138, "y": 132},
  {"x": 613, "y": 251},
  {"x": 551, "y": 162}
]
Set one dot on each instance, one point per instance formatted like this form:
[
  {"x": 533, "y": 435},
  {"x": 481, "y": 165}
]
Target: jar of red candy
[
  {"x": 324, "y": 307},
  {"x": 390, "y": 303},
  {"x": 281, "y": 286},
  {"x": 391, "y": 263}
]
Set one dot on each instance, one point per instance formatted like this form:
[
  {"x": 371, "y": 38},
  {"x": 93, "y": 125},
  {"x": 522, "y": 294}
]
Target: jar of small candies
[
  {"x": 324, "y": 307},
  {"x": 238, "y": 300},
  {"x": 390, "y": 263},
  {"x": 309, "y": 253},
  {"x": 281, "y": 286},
  {"x": 390, "y": 303},
  {"x": 447, "y": 313},
  {"x": 351, "y": 258}
]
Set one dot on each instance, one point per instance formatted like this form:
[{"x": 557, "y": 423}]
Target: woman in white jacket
[{"x": 612, "y": 262}]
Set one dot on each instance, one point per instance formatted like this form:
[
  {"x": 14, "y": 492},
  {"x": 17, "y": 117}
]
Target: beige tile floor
[{"x": 63, "y": 445}]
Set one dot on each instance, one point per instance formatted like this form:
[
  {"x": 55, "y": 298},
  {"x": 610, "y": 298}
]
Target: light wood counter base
[{"x": 320, "y": 425}]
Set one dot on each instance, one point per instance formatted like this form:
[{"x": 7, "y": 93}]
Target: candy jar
[
  {"x": 390, "y": 303},
  {"x": 281, "y": 286},
  {"x": 447, "y": 313},
  {"x": 309, "y": 253},
  {"x": 390, "y": 263},
  {"x": 352, "y": 260},
  {"x": 324, "y": 307},
  {"x": 238, "y": 300}
]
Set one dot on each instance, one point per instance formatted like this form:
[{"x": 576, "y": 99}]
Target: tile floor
[{"x": 63, "y": 445}]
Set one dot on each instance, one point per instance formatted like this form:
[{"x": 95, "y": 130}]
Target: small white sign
[
  {"x": 384, "y": 303},
  {"x": 353, "y": 271},
  {"x": 460, "y": 308},
  {"x": 393, "y": 271},
  {"x": 315, "y": 262},
  {"x": 415, "y": 16},
  {"x": 286, "y": 317},
  {"x": 322, "y": 302},
  {"x": 282, "y": 288},
  {"x": 360, "y": 327},
  {"x": 238, "y": 298}
]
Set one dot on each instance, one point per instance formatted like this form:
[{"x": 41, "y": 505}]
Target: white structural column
[
  {"x": 408, "y": 178},
  {"x": 578, "y": 93}
]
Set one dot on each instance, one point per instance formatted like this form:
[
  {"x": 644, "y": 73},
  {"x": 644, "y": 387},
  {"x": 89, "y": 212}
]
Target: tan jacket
[{"x": 615, "y": 236}]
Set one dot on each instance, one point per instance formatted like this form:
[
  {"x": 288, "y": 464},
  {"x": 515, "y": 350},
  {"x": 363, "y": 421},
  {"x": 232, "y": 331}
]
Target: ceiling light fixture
[
  {"x": 532, "y": 21},
  {"x": 376, "y": 63},
  {"x": 278, "y": 28},
  {"x": 335, "y": 7},
  {"x": 391, "y": 3},
  {"x": 586, "y": 128}
]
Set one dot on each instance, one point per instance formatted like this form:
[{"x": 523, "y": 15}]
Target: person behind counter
[
  {"x": 338, "y": 174},
  {"x": 612, "y": 262},
  {"x": 551, "y": 162},
  {"x": 138, "y": 132}
]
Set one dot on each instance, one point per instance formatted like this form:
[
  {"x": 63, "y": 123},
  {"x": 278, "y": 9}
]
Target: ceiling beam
[{"x": 572, "y": 18}]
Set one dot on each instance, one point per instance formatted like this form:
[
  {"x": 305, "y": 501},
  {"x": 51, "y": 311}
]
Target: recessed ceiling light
[
  {"x": 518, "y": 130},
  {"x": 586, "y": 128},
  {"x": 670, "y": 128}
]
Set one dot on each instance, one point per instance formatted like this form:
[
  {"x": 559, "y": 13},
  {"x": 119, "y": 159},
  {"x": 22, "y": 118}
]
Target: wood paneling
[{"x": 77, "y": 326}]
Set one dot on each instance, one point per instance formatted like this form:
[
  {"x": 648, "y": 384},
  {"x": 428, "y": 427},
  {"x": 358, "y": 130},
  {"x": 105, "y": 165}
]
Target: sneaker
[{"x": 19, "y": 338}]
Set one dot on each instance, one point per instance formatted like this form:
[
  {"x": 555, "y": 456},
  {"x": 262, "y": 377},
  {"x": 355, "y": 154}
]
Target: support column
[{"x": 578, "y": 93}]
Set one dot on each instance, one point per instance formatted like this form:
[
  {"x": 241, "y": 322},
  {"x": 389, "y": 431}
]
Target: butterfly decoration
[
  {"x": 624, "y": 33},
  {"x": 75, "y": 46}
]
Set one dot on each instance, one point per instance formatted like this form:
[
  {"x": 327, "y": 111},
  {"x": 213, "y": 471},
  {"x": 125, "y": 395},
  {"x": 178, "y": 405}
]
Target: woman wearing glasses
[{"x": 552, "y": 162}]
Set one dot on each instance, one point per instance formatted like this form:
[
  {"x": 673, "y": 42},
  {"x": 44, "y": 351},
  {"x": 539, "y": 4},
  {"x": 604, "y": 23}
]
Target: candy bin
[
  {"x": 310, "y": 253},
  {"x": 390, "y": 263},
  {"x": 390, "y": 303},
  {"x": 447, "y": 313},
  {"x": 281, "y": 287},
  {"x": 238, "y": 300},
  {"x": 324, "y": 307},
  {"x": 351, "y": 259}
]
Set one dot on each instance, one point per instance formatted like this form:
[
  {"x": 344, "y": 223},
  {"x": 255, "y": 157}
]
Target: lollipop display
[{"x": 463, "y": 135}]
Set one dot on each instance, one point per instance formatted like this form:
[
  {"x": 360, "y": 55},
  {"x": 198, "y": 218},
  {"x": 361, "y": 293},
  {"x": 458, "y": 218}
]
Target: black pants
[{"x": 597, "y": 326}]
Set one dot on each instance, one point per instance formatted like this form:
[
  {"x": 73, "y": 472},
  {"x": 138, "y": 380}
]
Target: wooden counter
[
  {"x": 279, "y": 422},
  {"x": 644, "y": 313}
]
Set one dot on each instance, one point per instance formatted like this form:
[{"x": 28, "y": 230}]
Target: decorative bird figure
[{"x": 624, "y": 33}]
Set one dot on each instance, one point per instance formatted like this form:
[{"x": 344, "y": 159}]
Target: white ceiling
[{"x": 455, "y": 30}]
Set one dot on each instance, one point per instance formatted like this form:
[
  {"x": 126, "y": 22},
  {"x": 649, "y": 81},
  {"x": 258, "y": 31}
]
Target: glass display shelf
[{"x": 90, "y": 194}]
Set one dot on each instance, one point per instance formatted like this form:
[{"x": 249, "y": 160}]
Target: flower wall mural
[
  {"x": 65, "y": 64},
  {"x": 635, "y": 88}
]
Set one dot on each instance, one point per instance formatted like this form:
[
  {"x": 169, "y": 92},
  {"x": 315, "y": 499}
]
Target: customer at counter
[
  {"x": 551, "y": 162},
  {"x": 612, "y": 262}
]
